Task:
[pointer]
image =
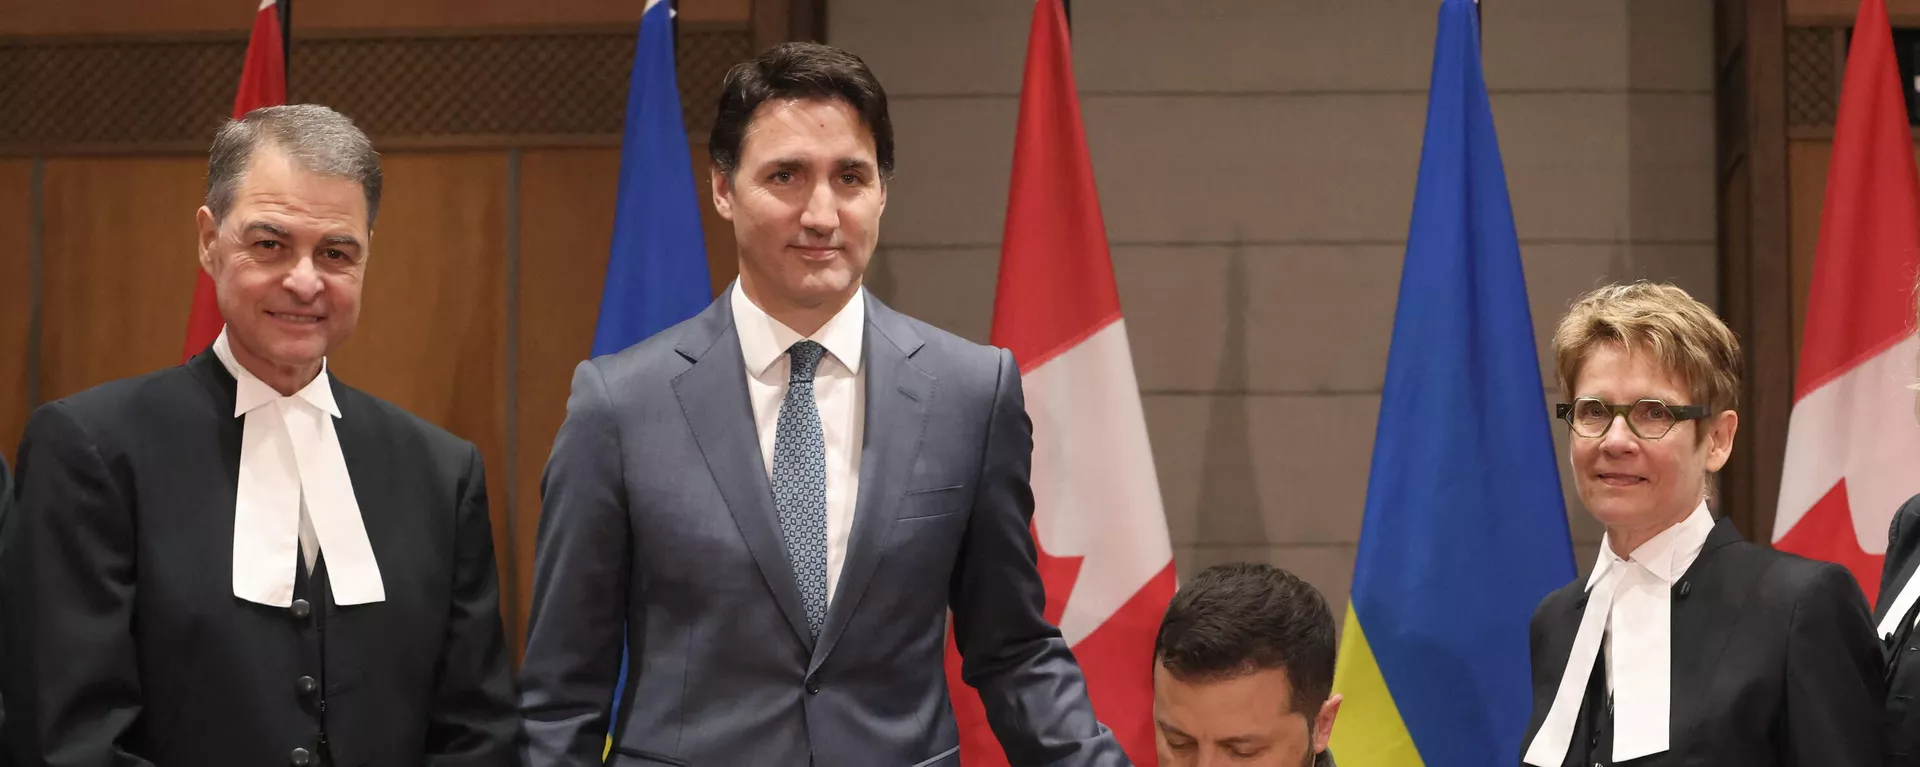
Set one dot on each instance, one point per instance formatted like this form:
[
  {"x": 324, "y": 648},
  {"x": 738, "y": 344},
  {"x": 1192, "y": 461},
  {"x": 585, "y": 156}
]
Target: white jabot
[
  {"x": 839, "y": 390},
  {"x": 294, "y": 493},
  {"x": 1902, "y": 603},
  {"x": 1630, "y": 606}
]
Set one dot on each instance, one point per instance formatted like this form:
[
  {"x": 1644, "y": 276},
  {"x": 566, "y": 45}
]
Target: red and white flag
[
  {"x": 263, "y": 82},
  {"x": 1102, "y": 533},
  {"x": 1853, "y": 447}
]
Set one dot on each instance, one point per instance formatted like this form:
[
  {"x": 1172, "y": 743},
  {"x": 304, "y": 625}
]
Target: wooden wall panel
[
  {"x": 1807, "y": 188},
  {"x": 566, "y": 225},
  {"x": 119, "y": 266},
  {"x": 16, "y": 301},
  {"x": 1841, "y": 12},
  {"x": 433, "y": 324},
  {"x": 124, "y": 17},
  {"x": 566, "y": 222}
]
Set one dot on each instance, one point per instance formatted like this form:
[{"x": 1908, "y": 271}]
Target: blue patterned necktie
[{"x": 800, "y": 482}]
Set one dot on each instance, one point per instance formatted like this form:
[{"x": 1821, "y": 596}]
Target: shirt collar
[
  {"x": 763, "y": 339},
  {"x": 1667, "y": 555},
  {"x": 251, "y": 392}
]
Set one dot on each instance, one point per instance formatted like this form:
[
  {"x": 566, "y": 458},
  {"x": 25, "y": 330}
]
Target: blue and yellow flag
[
  {"x": 657, "y": 268},
  {"x": 1465, "y": 528}
]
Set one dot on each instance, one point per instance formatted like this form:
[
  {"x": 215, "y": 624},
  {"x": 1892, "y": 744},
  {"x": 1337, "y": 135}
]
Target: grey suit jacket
[{"x": 657, "y": 515}]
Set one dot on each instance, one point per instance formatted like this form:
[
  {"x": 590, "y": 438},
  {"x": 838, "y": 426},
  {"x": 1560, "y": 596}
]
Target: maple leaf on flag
[
  {"x": 1058, "y": 574},
  {"x": 1826, "y": 533}
]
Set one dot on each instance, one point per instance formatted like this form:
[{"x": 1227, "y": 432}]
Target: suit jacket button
[
  {"x": 301, "y": 609},
  {"x": 306, "y": 685},
  {"x": 813, "y": 685},
  {"x": 300, "y": 758}
]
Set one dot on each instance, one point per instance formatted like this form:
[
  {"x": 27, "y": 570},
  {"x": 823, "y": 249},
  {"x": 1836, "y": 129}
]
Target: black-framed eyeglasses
[{"x": 1648, "y": 418}]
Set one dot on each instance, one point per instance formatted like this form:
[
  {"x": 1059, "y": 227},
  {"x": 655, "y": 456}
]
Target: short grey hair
[{"x": 317, "y": 139}]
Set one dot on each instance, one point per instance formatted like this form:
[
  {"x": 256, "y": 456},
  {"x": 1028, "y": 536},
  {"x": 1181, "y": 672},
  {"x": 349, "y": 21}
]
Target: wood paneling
[
  {"x": 1841, "y": 12},
  {"x": 566, "y": 225},
  {"x": 433, "y": 324},
  {"x": 16, "y": 301},
  {"x": 1807, "y": 187},
  {"x": 119, "y": 266},
  {"x": 1756, "y": 270},
  {"x": 119, "y": 17}
]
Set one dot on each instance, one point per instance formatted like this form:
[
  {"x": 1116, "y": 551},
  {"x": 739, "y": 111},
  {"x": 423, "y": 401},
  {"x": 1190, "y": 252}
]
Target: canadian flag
[
  {"x": 263, "y": 83},
  {"x": 1853, "y": 447},
  {"x": 1102, "y": 534}
]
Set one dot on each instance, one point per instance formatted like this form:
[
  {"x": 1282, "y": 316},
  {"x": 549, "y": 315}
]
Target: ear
[
  {"x": 1720, "y": 439},
  {"x": 209, "y": 233},
  {"x": 1323, "y": 724},
  {"x": 722, "y": 191}
]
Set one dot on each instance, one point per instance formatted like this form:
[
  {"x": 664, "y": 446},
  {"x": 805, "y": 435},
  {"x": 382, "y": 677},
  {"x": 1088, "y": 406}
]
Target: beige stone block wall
[{"x": 1256, "y": 162}]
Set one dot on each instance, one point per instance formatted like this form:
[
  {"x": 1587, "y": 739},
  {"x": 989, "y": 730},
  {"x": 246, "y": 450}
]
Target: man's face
[
  {"x": 287, "y": 262},
  {"x": 805, "y": 201},
  {"x": 1242, "y": 720}
]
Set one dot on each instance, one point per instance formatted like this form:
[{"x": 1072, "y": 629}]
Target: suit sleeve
[
  {"x": 1029, "y": 683},
  {"x": 473, "y": 721},
  {"x": 1835, "y": 676},
  {"x": 68, "y": 670},
  {"x": 582, "y": 566}
]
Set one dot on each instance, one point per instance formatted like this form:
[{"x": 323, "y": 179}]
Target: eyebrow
[
  {"x": 1237, "y": 740},
  {"x": 262, "y": 226},
  {"x": 340, "y": 239},
  {"x": 849, "y": 163}
]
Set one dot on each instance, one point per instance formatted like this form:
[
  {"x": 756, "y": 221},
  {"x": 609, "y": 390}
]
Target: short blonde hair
[{"x": 1682, "y": 334}]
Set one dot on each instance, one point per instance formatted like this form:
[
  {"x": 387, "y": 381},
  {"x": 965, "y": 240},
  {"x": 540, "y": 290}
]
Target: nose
[
  {"x": 303, "y": 280},
  {"x": 1619, "y": 438},
  {"x": 821, "y": 216}
]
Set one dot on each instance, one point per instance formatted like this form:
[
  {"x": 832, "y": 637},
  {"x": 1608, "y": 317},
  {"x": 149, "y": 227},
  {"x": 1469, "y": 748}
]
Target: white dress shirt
[
  {"x": 294, "y": 494},
  {"x": 1629, "y": 614},
  {"x": 839, "y": 389}
]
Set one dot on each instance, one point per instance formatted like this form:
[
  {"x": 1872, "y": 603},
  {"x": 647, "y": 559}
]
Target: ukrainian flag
[
  {"x": 657, "y": 266},
  {"x": 1465, "y": 528}
]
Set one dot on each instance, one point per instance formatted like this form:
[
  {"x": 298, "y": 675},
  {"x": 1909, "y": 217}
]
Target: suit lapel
[
  {"x": 713, "y": 395},
  {"x": 1706, "y": 603},
  {"x": 898, "y": 396}
]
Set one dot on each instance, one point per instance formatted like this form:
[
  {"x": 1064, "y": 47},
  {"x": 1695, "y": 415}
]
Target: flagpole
[{"x": 285, "y": 9}]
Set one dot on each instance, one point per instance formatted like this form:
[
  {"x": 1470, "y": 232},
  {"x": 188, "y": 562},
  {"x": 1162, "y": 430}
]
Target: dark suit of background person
[
  {"x": 673, "y": 527},
  {"x": 1744, "y": 671},
  {"x": 152, "y": 614},
  {"x": 1903, "y": 661},
  {"x": 6, "y": 505}
]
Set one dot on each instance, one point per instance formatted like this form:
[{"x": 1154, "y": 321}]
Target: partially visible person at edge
[{"x": 1899, "y": 586}]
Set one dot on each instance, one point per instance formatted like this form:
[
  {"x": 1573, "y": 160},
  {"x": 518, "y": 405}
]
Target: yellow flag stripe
[{"x": 1368, "y": 731}]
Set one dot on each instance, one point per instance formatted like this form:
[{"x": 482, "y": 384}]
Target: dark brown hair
[
  {"x": 1237, "y": 619},
  {"x": 798, "y": 70}
]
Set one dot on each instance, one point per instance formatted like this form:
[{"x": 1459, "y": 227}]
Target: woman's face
[{"x": 1629, "y": 482}]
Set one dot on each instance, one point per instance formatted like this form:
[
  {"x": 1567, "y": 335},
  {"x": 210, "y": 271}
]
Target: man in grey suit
[{"x": 772, "y": 506}]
